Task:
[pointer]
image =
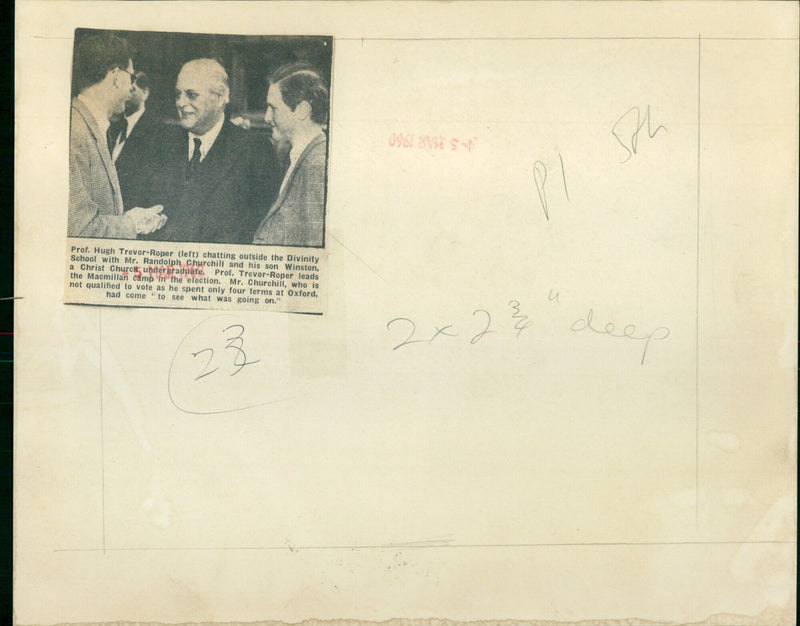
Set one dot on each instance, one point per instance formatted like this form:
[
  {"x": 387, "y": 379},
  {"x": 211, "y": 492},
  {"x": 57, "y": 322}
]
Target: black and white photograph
[{"x": 179, "y": 137}]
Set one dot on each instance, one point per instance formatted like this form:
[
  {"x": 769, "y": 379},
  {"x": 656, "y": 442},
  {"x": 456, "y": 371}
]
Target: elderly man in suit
[
  {"x": 135, "y": 141},
  {"x": 215, "y": 175},
  {"x": 297, "y": 109},
  {"x": 102, "y": 73}
]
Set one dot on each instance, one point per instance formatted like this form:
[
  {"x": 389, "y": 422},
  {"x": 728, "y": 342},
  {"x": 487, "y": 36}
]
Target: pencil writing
[
  {"x": 629, "y": 139},
  {"x": 629, "y": 331},
  {"x": 540, "y": 179}
]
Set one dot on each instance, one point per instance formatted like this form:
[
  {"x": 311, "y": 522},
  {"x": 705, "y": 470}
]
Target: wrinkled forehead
[{"x": 194, "y": 79}]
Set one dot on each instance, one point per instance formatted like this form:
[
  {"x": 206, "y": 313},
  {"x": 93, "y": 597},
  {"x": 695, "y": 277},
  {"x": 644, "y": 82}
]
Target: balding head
[{"x": 201, "y": 93}]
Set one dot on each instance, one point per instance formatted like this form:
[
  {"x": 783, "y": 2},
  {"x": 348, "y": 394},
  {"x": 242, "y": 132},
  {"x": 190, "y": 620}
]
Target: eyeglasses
[{"x": 131, "y": 74}]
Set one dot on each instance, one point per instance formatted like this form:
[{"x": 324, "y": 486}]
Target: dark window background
[{"x": 248, "y": 59}]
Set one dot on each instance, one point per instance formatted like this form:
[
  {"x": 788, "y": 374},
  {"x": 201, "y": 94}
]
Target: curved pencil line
[{"x": 172, "y": 363}]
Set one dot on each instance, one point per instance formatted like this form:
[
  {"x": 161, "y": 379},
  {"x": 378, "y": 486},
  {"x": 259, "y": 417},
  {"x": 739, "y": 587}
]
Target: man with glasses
[{"x": 102, "y": 81}]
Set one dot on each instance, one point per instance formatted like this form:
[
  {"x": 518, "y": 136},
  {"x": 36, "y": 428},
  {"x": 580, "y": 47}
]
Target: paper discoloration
[
  {"x": 721, "y": 619},
  {"x": 547, "y": 379},
  {"x": 727, "y": 442}
]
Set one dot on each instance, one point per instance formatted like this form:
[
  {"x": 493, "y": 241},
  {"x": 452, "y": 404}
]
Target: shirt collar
[
  {"x": 132, "y": 119},
  {"x": 207, "y": 140},
  {"x": 301, "y": 143},
  {"x": 99, "y": 116}
]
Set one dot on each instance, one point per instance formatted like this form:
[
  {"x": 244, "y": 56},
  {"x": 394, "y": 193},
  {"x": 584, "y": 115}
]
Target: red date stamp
[
  {"x": 432, "y": 142},
  {"x": 164, "y": 272}
]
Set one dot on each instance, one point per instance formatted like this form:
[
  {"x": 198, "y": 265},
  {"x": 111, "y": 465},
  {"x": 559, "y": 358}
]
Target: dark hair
[
  {"x": 141, "y": 80},
  {"x": 96, "y": 56},
  {"x": 299, "y": 82}
]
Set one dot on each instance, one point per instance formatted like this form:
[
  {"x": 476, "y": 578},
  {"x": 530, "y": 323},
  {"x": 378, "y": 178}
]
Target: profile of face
[
  {"x": 136, "y": 99},
  {"x": 279, "y": 116},
  {"x": 123, "y": 85},
  {"x": 199, "y": 108}
]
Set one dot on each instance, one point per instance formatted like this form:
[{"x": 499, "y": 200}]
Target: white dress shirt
[
  {"x": 206, "y": 141},
  {"x": 131, "y": 120}
]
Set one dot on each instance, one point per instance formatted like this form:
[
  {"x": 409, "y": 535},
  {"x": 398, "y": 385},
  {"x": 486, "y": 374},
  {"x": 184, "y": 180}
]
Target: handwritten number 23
[{"x": 234, "y": 343}]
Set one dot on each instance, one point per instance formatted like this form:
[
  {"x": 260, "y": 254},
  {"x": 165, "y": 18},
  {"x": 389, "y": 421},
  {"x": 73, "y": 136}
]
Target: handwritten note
[
  {"x": 216, "y": 368},
  {"x": 627, "y": 128},
  {"x": 540, "y": 177},
  {"x": 516, "y": 320},
  {"x": 536, "y": 374}
]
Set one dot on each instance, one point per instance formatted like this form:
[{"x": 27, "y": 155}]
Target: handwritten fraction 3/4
[{"x": 515, "y": 320}]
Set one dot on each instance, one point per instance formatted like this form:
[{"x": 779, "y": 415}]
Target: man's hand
[{"x": 147, "y": 220}]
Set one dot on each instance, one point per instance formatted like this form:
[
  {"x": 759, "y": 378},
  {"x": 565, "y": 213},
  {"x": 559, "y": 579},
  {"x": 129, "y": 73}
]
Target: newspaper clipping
[{"x": 198, "y": 171}]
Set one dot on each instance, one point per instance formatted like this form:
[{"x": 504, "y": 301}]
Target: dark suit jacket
[
  {"x": 223, "y": 202},
  {"x": 139, "y": 160},
  {"x": 95, "y": 202},
  {"x": 298, "y": 215}
]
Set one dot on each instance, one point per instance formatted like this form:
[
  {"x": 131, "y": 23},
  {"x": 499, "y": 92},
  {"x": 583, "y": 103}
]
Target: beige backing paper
[{"x": 555, "y": 377}]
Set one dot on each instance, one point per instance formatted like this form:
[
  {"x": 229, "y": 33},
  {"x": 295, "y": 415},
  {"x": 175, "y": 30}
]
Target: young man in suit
[
  {"x": 215, "y": 175},
  {"x": 102, "y": 73},
  {"x": 297, "y": 109},
  {"x": 135, "y": 141}
]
